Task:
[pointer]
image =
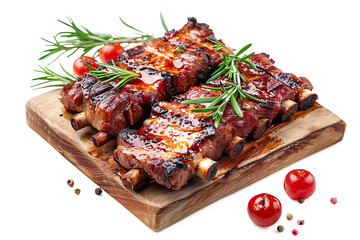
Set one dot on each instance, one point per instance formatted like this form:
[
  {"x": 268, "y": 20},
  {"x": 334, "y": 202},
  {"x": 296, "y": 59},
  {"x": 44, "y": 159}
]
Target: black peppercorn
[{"x": 98, "y": 191}]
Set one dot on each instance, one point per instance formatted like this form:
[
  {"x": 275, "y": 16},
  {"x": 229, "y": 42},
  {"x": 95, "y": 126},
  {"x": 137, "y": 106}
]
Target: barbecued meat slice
[
  {"x": 300, "y": 85},
  {"x": 187, "y": 67},
  {"x": 266, "y": 64},
  {"x": 113, "y": 110},
  {"x": 170, "y": 144}
]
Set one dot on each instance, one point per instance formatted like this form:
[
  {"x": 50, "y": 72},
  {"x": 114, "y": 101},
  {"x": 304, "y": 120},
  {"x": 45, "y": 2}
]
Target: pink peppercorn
[
  {"x": 295, "y": 232},
  {"x": 70, "y": 183},
  {"x": 333, "y": 200}
]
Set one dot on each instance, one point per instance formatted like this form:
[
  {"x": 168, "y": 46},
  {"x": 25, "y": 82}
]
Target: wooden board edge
[{"x": 263, "y": 167}]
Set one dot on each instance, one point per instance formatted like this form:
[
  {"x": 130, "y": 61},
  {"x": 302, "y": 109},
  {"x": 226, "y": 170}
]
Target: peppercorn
[
  {"x": 280, "y": 228},
  {"x": 301, "y": 222},
  {"x": 77, "y": 191},
  {"x": 98, "y": 191},
  {"x": 295, "y": 232},
  {"x": 333, "y": 200},
  {"x": 70, "y": 183},
  {"x": 301, "y": 200},
  {"x": 289, "y": 216}
]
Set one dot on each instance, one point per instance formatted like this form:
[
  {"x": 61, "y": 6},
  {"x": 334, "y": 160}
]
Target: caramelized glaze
[{"x": 172, "y": 130}]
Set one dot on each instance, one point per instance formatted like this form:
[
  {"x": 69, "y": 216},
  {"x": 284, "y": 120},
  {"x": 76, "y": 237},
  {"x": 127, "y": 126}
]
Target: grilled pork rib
[
  {"x": 164, "y": 70},
  {"x": 300, "y": 85},
  {"x": 171, "y": 143}
]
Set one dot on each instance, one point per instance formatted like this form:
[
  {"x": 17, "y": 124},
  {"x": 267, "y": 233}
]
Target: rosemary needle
[
  {"x": 163, "y": 22},
  {"x": 218, "y": 46}
]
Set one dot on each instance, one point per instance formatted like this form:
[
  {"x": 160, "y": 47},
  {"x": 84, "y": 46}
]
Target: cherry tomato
[
  {"x": 264, "y": 209},
  {"x": 110, "y": 52},
  {"x": 79, "y": 68},
  {"x": 299, "y": 183}
]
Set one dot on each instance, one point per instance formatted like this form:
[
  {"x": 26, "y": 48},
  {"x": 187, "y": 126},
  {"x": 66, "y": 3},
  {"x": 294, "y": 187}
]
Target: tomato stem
[{"x": 263, "y": 201}]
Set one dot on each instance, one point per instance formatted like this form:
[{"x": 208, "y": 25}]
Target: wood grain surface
[{"x": 284, "y": 143}]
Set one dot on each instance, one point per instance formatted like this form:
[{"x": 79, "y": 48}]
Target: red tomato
[
  {"x": 299, "y": 183},
  {"x": 264, "y": 209},
  {"x": 110, "y": 52},
  {"x": 79, "y": 68}
]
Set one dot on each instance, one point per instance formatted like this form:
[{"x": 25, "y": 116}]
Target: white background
[{"x": 316, "y": 39}]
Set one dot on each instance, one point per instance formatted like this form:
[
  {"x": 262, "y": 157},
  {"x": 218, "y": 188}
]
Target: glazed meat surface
[
  {"x": 266, "y": 64},
  {"x": 299, "y": 85}
]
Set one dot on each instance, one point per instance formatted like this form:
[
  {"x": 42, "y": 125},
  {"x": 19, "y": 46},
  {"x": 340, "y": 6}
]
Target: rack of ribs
[
  {"x": 165, "y": 70},
  {"x": 175, "y": 143}
]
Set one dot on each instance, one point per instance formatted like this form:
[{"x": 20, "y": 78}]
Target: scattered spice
[
  {"x": 301, "y": 222},
  {"x": 295, "y": 232},
  {"x": 301, "y": 200},
  {"x": 77, "y": 191},
  {"x": 280, "y": 228},
  {"x": 333, "y": 200},
  {"x": 70, "y": 183},
  {"x": 289, "y": 216},
  {"x": 98, "y": 191}
]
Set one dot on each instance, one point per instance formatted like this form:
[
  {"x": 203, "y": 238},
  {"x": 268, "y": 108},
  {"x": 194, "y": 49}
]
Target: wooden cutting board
[{"x": 284, "y": 143}]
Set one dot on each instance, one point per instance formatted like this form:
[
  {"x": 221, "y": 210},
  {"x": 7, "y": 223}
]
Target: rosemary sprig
[
  {"x": 218, "y": 46},
  {"x": 114, "y": 73},
  {"x": 228, "y": 68},
  {"x": 52, "y": 79},
  {"x": 82, "y": 38}
]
